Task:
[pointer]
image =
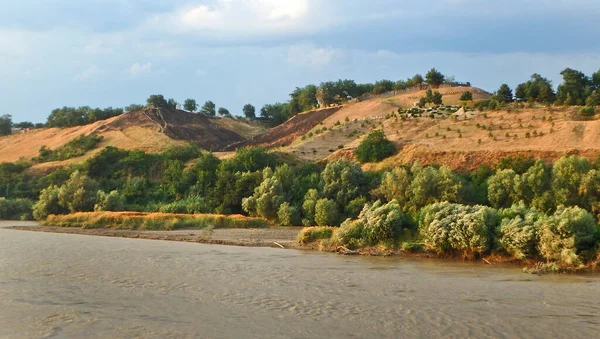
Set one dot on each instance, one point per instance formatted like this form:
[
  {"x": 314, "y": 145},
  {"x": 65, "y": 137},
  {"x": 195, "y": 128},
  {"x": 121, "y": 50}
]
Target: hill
[
  {"x": 460, "y": 139},
  {"x": 149, "y": 129}
]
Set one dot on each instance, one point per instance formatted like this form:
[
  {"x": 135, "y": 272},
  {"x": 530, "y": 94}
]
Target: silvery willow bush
[
  {"x": 375, "y": 224},
  {"x": 519, "y": 231},
  {"x": 570, "y": 236},
  {"x": 447, "y": 227}
]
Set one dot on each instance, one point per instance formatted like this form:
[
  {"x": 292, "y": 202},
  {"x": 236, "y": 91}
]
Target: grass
[
  {"x": 311, "y": 234},
  {"x": 152, "y": 221}
]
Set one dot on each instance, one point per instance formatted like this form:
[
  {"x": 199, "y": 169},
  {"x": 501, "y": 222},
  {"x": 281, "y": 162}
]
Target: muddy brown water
[{"x": 76, "y": 286}]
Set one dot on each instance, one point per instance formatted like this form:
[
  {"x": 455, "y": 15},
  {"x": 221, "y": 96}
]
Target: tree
[
  {"x": 287, "y": 215},
  {"x": 303, "y": 99},
  {"x": 172, "y": 104},
  {"x": 436, "y": 98},
  {"x": 466, "y": 96},
  {"x": 24, "y": 125},
  {"x": 48, "y": 203},
  {"x": 537, "y": 89},
  {"x": 156, "y": 100},
  {"x": 326, "y": 212},
  {"x": 5, "y": 124},
  {"x": 133, "y": 108},
  {"x": 596, "y": 80},
  {"x": 190, "y": 105},
  {"x": 224, "y": 112},
  {"x": 277, "y": 113},
  {"x": 78, "y": 194},
  {"x": 209, "y": 108},
  {"x": 267, "y": 197},
  {"x": 249, "y": 111},
  {"x": 113, "y": 201},
  {"x": 343, "y": 181},
  {"x": 567, "y": 175},
  {"x": 383, "y": 86},
  {"x": 574, "y": 89},
  {"x": 501, "y": 192},
  {"x": 594, "y": 98},
  {"x": 375, "y": 147},
  {"x": 400, "y": 85},
  {"x": 504, "y": 94},
  {"x": 416, "y": 80},
  {"x": 434, "y": 78}
]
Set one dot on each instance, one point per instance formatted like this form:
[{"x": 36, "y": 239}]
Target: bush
[
  {"x": 48, "y": 203},
  {"x": 374, "y": 147},
  {"x": 186, "y": 206},
  {"x": 15, "y": 209},
  {"x": 287, "y": 215},
  {"x": 587, "y": 111},
  {"x": 311, "y": 234},
  {"x": 326, "y": 212},
  {"x": 78, "y": 194},
  {"x": 74, "y": 148},
  {"x": 376, "y": 223},
  {"x": 519, "y": 232},
  {"x": 447, "y": 227},
  {"x": 569, "y": 237},
  {"x": 112, "y": 201}
]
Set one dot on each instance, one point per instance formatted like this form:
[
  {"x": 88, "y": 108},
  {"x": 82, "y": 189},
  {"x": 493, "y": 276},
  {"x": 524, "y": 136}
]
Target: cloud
[
  {"x": 138, "y": 69},
  {"x": 308, "y": 55},
  {"x": 90, "y": 73},
  {"x": 244, "y": 18}
]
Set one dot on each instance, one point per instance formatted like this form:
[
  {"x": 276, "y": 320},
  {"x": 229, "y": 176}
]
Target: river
[{"x": 76, "y": 286}]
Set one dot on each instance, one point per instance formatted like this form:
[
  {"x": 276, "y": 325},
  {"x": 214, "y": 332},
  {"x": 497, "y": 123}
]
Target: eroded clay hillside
[{"x": 152, "y": 130}]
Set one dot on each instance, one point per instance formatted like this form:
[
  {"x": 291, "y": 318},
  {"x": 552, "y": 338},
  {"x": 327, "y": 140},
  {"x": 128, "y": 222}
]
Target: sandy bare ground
[{"x": 261, "y": 237}]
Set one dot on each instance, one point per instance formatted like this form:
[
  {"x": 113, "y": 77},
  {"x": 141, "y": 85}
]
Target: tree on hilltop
[
  {"x": 5, "y": 124},
  {"x": 224, "y": 111},
  {"x": 190, "y": 105},
  {"x": 504, "y": 94},
  {"x": 249, "y": 111},
  {"x": 156, "y": 100},
  {"x": 434, "y": 78},
  {"x": 209, "y": 108}
]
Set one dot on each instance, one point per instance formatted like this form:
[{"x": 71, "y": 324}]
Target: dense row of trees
[
  {"x": 256, "y": 182},
  {"x": 71, "y": 116}
]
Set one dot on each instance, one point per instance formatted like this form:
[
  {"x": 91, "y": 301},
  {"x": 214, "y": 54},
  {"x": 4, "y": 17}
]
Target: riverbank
[{"x": 276, "y": 237}]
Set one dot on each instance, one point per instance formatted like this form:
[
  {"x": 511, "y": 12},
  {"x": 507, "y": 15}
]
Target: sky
[{"x": 103, "y": 53}]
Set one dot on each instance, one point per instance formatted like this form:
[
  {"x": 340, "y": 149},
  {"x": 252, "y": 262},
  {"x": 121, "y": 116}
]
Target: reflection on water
[{"x": 81, "y": 286}]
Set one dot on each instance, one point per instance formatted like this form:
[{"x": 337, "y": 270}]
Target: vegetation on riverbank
[
  {"x": 152, "y": 221},
  {"x": 567, "y": 239}
]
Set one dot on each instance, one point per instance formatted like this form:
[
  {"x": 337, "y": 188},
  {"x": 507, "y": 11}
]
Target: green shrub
[
  {"x": 587, "y": 111},
  {"x": 194, "y": 205},
  {"x": 519, "y": 232},
  {"x": 113, "y": 201},
  {"x": 376, "y": 223},
  {"x": 374, "y": 147},
  {"x": 48, "y": 203},
  {"x": 16, "y": 209},
  {"x": 74, "y": 148},
  {"x": 311, "y": 234},
  {"x": 447, "y": 227},
  {"x": 569, "y": 237},
  {"x": 326, "y": 212},
  {"x": 412, "y": 246},
  {"x": 78, "y": 194},
  {"x": 287, "y": 215}
]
